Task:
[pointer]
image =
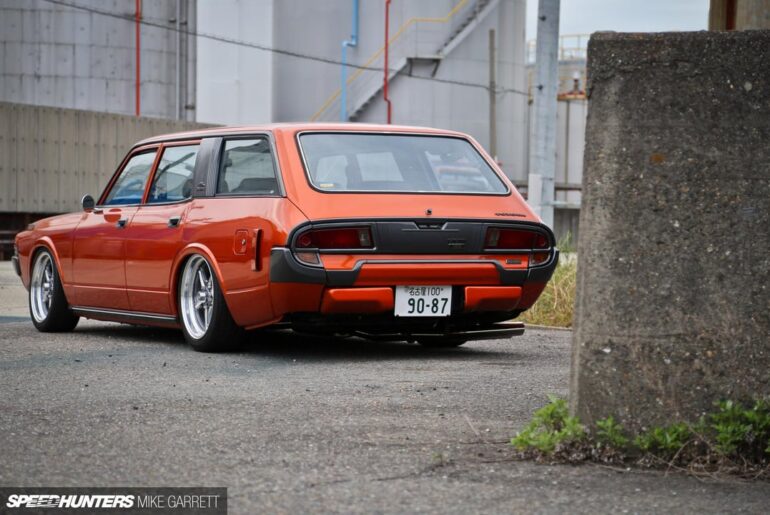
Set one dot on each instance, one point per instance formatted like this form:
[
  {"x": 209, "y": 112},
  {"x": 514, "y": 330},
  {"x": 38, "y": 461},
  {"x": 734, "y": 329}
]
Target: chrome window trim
[{"x": 306, "y": 168}]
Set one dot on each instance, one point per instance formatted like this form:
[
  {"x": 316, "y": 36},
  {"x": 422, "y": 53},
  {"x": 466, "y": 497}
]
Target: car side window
[
  {"x": 173, "y": 180},
  {"x": 247, "y": 168},
  {"x": 129, "y": 187}
]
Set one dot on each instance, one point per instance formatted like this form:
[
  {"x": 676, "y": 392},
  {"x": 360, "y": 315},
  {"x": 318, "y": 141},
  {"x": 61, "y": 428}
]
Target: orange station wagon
[{"x": 384, "y": 232}]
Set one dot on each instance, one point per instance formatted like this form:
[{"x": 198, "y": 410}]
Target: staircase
[
  {"x": 375, "y": 90},
  {"x": 477, "y": 13}
]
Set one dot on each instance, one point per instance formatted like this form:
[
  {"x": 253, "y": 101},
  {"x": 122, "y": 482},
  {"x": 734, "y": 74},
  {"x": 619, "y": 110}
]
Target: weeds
[
  {"x": 742, "y": 431},
  {"x": 556, "y": 304},
  {"x": 610, "y": 433},
  {"x": 551, "y": 425},
  {"x": 734, "y": 439},
  {"x": 664, "y": 442}
]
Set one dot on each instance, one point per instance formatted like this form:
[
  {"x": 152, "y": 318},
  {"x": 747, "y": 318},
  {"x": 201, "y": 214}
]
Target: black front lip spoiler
[{"x": 284, "y": 268}]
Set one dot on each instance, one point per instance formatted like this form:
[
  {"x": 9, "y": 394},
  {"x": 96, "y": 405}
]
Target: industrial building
[{"x": 456, "y": 64}]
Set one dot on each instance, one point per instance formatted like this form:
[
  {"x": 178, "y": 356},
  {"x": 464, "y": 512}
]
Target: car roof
[{"x": 296, "y": 127}]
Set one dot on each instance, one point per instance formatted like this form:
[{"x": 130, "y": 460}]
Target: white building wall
[
  {"x": 60, "y": 56},
  {"x": 421, "y": 101},
  {"x": 570, "y": 143},
  {"x": 235, "y": 82}
]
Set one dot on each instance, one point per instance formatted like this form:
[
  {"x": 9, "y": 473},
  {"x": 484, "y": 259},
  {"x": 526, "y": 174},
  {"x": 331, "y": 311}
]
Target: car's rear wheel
[
  {"x": 47, "y": 304},
  {"x": 206, "y": 321}
]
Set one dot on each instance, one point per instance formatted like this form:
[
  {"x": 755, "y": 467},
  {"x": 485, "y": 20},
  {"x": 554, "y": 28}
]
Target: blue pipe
[{"x": 353, "y": 41}]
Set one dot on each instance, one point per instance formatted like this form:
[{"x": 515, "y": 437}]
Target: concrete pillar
[
  {"x": 542, "y": 161},
  {"x": 673, "y": 299}
]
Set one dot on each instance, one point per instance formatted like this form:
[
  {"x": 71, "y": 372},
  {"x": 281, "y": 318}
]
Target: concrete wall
[
  {"x": 673, "y": 300},
  {"x": 61, "y": 56},
  {"x": 51, "y": 157},
  {"x": 235, "y": 82}
]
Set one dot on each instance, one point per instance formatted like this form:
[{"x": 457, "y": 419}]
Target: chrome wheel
[
  {"x": 42, "y": 287},
  {"x": 197, "y": 296}
]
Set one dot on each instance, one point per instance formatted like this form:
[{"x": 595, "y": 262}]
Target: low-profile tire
[
  {"x": 48, "y": 306},
  {"x": 203, "y": 313},
  {"x": 441, "y": 343}
]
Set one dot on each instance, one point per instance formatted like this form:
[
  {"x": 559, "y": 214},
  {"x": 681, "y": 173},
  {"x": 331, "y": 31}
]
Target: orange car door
[
  {"x": 154, "y": 235},
  {"x": 99, "y": 246}
]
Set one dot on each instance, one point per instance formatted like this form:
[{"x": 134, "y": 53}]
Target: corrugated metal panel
[
  {"x": 27, "y": 190},
  {"x": 69, "y": 177},
  {"x": 48, "y": 146},
  {"x": 8, "y": 176},
  {"x": 50, "y": 157}
]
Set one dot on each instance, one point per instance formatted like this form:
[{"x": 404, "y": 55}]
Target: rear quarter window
[{"x": 247, "y": 168}]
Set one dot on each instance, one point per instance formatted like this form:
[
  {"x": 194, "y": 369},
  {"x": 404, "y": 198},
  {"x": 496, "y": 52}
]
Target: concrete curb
[{"x": 547, "y": 327}]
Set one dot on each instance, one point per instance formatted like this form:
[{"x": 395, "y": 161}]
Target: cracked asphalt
[{"x": 293, "y": 425}]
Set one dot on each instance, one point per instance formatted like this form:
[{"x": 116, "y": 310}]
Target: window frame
[
  {"x": 501, "y": 177},
  {"x": 115, "y": 176},
  {"x": 220, "y": 154},
  {"x": 158, "y": 148},
  {"x": 161, "y": 149}
]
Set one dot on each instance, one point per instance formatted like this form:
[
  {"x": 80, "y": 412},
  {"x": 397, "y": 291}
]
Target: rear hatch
[{"x": 423, "y": 196}]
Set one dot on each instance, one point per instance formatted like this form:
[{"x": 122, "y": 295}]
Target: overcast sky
[{"x": 586, "y": 16}]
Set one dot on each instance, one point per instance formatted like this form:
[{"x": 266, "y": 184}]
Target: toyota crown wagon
[{"x": 383, "y": 232}]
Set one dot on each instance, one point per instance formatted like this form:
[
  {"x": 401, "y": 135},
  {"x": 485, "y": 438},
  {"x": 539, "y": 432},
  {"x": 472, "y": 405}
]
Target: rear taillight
[
  {"x": 499, "y": 238},
  {"x": 514, "y": 239},
  {"x": 336, "y": 239}
]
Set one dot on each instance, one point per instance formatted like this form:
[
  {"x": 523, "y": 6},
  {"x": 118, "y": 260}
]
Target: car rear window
[{"x": 351, "y": 162}]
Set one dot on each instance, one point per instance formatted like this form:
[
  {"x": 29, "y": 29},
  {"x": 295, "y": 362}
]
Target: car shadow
[
  {"x": 286, "y": 344},
  {"x": 127, "y": 332}
]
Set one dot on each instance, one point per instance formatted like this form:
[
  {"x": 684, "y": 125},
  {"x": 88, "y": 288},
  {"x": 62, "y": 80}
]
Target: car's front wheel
[
  {"x": 47, "y": 303},
  {"x": 206, "y": 321}
]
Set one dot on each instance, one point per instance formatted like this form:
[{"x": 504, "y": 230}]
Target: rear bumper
[
  {"x": 480, "y": 287},
  {"x": 382, "y": 299},
  {"x": 284, "y": 268}
]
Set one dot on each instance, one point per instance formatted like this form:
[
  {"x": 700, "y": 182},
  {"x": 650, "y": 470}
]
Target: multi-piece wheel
[
  {"x": 47, "y": 303},
  {"x": 206, "y": 320}
]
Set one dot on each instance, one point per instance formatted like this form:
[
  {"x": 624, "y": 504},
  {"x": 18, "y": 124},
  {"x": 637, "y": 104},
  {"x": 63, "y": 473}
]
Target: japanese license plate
[{"x": 423, "y": 301}]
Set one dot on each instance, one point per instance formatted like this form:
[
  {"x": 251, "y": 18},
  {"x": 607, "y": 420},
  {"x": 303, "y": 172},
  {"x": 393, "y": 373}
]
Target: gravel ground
[{"x": 292, "y": 424}]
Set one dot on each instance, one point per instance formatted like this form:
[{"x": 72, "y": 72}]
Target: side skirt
[{"x": 131, "y": 317}]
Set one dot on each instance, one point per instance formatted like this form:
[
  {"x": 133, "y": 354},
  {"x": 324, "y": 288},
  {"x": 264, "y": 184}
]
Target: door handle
[
  {"x": 174, "y": 221},
  {"x": 121, "y": 224}
]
